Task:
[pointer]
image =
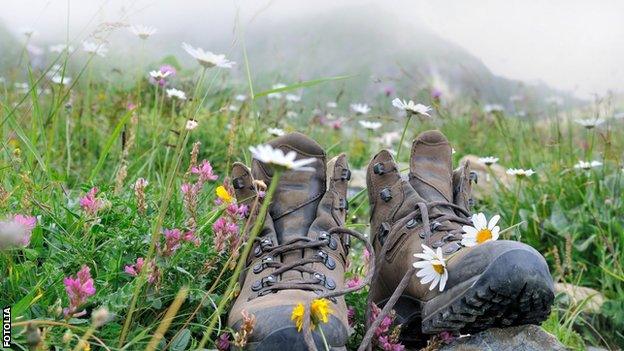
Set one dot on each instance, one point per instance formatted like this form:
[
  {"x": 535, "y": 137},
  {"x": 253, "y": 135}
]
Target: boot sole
[{"x": 497, "y": 298}]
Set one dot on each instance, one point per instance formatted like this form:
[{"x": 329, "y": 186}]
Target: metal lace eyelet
[
  {"x": 327, "y": 260},
  {"x": 238, "y": 183},
  {"x": 378, "y": 168},
  {"x": 411, "y": 223},
  {"x": 474, "y": 177},
  {"x": 385, "y": 194},
  {"x": 421, "y": 234},
  {"x": 343, "y": 204},
  {"x": 346, "y": 174},
  {"x": 327, "y": 238},
  {"x": 435, "y": 225},
  {"x": 261, "y": 266},
  {"x": 328, "y": 282},
  {"x": 451, "y": 247}
]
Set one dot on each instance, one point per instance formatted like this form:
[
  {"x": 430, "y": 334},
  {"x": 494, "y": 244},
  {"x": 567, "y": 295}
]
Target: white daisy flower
[
  {"x": 275, "y": 132},
  {"x": 59, "y": 48},
  {"x": 59, "y": 79},
  {"x": 587, "y": 165},
  {"x": 277, "y": 159},
  {"x": 480, "y": 231},
  {"x": 519, "y": 172},
  {"x": 432, "y": 268},
  {"x": 159, "y": 75},
  {"x": 191, "y": 124},
  {"x": 233, "y": 108},
  {"x": 488, "y": 160},
  {"x": 240, "y": 97},
  {"x": 411, "y": 108},
  {"x": 331, "y": 104},
  {"x": 370, "y": 125},
  {"x": 491, "y": 108},
  {"x": 94, "y": 48},
  {"x": 360, "y": 109},
  {"x": 291, "y": 114},
  {"x": 276, "y": 95},
  {"x": 206, "y": 58},
  {"x": 293, "y": 98},
  {"x": 590, "y": 123},
  {"x": 175, "y": 93},
  {"x": 142, "y": 31}
]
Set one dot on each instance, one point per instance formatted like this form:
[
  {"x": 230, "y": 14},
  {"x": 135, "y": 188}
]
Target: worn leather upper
[{"x": 305, "y": 206}]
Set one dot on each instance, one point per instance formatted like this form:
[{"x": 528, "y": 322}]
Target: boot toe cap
[{"x": 274, "y": 330}]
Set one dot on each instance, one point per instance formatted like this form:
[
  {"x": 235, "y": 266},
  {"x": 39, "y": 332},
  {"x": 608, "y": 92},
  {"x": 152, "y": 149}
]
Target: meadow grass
[{"x": 60, "y": 141}]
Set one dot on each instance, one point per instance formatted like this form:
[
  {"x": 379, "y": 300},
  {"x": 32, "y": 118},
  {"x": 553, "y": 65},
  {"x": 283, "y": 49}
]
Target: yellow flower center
[
  {"x": 438, "y": 268},
  {"x": 223, "y": 194},
  {"x": 484, "y": 235}
]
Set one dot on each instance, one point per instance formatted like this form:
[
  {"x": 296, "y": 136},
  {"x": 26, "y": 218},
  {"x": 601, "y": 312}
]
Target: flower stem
[
  {"x": 229, "y": 292},
  {"x": 409, "y": 117},
  {"x": 323, "y": 337}
]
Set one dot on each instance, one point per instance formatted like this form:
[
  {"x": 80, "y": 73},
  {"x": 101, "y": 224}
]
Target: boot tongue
[
  {"x": 431, "y": 173},
  {"x": 299, "y": 192}
]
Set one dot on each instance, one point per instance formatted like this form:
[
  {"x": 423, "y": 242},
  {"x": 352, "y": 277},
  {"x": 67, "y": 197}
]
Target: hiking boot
[
  {"x": 279, "y": 273},
  {"x": 497, "y": 283}
]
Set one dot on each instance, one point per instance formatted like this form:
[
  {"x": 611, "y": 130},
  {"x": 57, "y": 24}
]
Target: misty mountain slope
[{"x": 368, "y": 42}]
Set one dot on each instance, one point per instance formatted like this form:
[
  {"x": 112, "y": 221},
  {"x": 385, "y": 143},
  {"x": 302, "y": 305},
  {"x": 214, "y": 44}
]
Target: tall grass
[{"x": 59, "y": 141}]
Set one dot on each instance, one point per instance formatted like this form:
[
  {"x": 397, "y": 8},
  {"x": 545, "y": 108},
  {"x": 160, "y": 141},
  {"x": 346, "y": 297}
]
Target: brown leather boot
[
  {"x": 296, "y": 257},
  {"x": 493, "y": 284}
]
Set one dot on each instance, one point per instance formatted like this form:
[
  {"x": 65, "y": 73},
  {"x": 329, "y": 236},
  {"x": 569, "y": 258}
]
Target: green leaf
[
  {"x": 22, "y": 305},
  {"x": 181, "y": 340},
  {"x": 305, "y": 84},
  {"x": 109, "y": 145}
]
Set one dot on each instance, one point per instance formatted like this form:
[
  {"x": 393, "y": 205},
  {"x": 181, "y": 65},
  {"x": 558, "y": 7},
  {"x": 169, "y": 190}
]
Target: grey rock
[{"x": 522, "y": 338}]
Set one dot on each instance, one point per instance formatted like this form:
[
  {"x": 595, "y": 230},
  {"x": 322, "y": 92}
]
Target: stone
[
  {"x": 591, "y": 299},
  {"x": 521, "y": 338}
]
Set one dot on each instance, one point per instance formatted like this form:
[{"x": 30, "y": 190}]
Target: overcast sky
[{"x": 575, "y": 45}]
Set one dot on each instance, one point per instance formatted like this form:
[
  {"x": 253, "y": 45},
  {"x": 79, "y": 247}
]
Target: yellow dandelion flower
[
  {"x": 297, "y": 316},
  {"x": 320, "y": 310},
  {"x": 223, "y": 194}
]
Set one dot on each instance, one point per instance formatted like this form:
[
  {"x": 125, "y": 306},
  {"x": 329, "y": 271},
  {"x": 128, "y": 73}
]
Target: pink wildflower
[
  {"x": 353, "y": 282},
  {"x": 28, "y": 223},
  {"x": 223, "y": 343},
  {"x": 236, "y": 211},
  {"x": 224, "y": 232},
  {"x": 135, "y": 269},
  {"x": 89, "y": 203},
  {"x": 172, "y": 241},
  {"x": 447, "y": 337},
  {"x": 192, "y": 238},
  {"x": 351, "y": 316},
  {"x": 205, "y": 172},
  {"x": 78, "y": 290},
  {"x": 164, "y": 69}
]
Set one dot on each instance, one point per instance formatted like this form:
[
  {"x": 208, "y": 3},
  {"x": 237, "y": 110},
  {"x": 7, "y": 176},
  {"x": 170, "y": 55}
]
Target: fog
[{"x": 573, "y": 45}]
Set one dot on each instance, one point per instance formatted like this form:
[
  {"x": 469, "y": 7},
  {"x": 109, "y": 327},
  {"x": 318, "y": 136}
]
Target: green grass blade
[{"x": 109, "y": 145}]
